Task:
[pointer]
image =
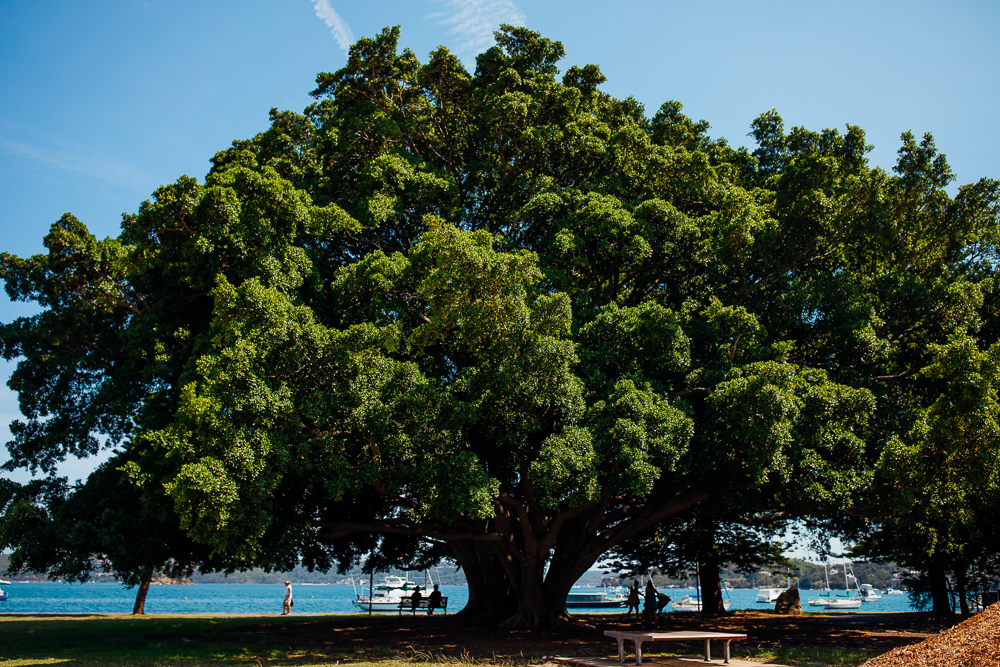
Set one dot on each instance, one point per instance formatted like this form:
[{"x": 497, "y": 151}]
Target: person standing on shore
[{"x": 286, "y": 603}]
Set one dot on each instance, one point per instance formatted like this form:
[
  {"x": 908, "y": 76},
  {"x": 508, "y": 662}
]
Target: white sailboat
[
  {"x": 823, "y": 596},
  {"x": 844, "y": 601},
  {"x": 693, "y": 602}
]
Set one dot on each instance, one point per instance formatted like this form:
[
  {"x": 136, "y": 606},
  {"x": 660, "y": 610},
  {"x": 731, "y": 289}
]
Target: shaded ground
[{"x": 448, "y": 636}]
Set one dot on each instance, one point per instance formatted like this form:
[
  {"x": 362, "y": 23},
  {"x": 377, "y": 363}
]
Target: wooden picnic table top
[{"x": 673, "y": 636}]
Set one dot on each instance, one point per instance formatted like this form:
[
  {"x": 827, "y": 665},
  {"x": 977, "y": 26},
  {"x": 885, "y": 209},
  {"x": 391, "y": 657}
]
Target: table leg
[
  {"x": 621, "y": 649},
  {"x": 708, "y": 650},
  {"x": 638, "y": 651}
]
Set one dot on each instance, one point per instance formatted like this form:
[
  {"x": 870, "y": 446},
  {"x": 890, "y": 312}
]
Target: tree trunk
[
  {"x": 491, "y": 596},
  {"x": 711, "y": 589},
  {"x": 961, "y": 581},
  {"x": 140, "y": 595},
  {"x": 504, "y": 558},
  {"x": 940, "y": 600}
]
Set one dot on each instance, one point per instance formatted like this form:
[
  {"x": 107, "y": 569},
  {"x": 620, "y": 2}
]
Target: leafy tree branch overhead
[{"x": 501, "y": 316}]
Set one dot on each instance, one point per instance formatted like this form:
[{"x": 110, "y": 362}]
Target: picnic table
[{"x": 640, "y": 637}]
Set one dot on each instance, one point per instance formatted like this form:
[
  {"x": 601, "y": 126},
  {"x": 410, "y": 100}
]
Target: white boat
[
  {"x": 768, "y": 595},
  {"x": 844, "y": 600},
  {"x": 693, "y": 603},
  {"x": 595, "y": 598},
  {"x": 843, "y": 603},
  {"x": 890, "y": 590},
  {"x": 3, "y": 595},
  {"x": 823, "y": 596},
  {"x": 868, "y": 593},
  {"x": 386, "y": 595}
]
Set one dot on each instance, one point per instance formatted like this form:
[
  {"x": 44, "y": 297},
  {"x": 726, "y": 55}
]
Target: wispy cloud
[
  {"x": 338, "y": 26},
  {"x": 76, "y": 160},
  {"x": 473, "y": 22}
]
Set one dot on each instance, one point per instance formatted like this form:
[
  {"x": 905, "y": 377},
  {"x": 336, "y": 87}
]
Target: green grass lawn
[
  {"x": 134, "y": 641},
  {"x": 173, "y": 641}
]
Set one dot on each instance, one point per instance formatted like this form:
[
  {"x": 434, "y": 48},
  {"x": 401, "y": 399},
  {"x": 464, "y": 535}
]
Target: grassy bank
[{"x": 127, "y": 641}]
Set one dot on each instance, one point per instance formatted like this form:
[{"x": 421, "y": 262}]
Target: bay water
[{"x": 104, "y": 598}]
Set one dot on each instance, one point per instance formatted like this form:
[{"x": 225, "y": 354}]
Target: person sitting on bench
[{"x": 434, "y": 600}]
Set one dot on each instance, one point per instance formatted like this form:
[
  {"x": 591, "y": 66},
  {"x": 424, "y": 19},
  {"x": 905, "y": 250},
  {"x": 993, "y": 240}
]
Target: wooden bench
[
  {"x": 640, "y": 637},
  {"x": 407, "y": 605}
]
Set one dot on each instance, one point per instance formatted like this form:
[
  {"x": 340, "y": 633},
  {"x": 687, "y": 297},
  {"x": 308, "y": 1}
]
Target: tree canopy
[{"x": 506, "y": 317}]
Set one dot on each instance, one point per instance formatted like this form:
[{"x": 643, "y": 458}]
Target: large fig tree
[{"x": 499, "y": 315}]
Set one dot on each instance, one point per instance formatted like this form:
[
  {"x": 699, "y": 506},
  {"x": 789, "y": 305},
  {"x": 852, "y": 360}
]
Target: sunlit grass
[
  {"x": 793, "y": 657},
  {"x": 127, "y": 641},
  {"x": 810, "y": 657}
]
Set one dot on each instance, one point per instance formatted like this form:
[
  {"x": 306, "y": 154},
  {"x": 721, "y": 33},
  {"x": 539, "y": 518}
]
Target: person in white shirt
[{"x": 286, "y": 604}]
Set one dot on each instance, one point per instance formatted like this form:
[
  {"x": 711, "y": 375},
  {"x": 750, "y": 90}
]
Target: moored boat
[
  {"x": 768, "y": 595},
  {"x": 844, "y": 600},
  {"x": 595, "y": 598},
  {"x": 386, "y": 595},
  {"x": 823, "y": 596},
  {"x": 843, "y": 603},
  {"x": 693, "y": 603},
  {"x": 868, "y": 594}
]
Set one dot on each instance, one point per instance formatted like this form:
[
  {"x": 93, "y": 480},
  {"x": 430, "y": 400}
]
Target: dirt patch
[
  {"x": 450, "y": 636},
  {"x": 974, "y": 643}
]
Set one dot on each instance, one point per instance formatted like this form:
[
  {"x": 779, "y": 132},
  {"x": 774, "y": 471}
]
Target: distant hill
[{"x": 808, "y": 576}]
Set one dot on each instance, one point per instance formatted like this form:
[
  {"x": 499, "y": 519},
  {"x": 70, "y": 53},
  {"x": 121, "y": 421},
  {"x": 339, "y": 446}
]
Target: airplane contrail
[
  {"x": 473, "y": 21},
  {"x": 338, "y": 26}
]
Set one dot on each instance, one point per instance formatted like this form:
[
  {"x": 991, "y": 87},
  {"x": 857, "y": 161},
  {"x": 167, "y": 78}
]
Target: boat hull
[
  {"x": 691, "y": 604},
  {"x": 843, "y": 604},
  {"x": 767, "y": 596},
  {"x": 364, "y": 605},
  {"x": 609, "y": 604}
]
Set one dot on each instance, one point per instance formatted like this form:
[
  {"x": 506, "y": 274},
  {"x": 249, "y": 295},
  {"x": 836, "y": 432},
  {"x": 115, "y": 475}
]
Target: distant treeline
[{"x": 807, "y": 576}]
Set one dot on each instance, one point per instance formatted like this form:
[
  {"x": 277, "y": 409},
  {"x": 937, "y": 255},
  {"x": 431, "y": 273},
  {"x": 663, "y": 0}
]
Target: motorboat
[
  {"x": 868, "y": 594},
  {"x": 768, "y": 595},
  {"x": 890, "y": 590},
  {"x": 386, "y": 595},
  {"x": 693, "y": 603},
  {"x": 595, "y": 598},
  {"x": 3, "y": 595}
]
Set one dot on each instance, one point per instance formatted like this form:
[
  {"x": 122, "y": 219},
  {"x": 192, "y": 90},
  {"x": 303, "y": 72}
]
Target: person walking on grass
[
  {"x": 649, "y": 608},
  {"x": 633, "y": 599},
  {"x": 286, "y": 602}
]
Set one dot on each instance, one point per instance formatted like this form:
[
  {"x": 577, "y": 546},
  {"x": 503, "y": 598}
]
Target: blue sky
[{"x": 102, "y": 101}]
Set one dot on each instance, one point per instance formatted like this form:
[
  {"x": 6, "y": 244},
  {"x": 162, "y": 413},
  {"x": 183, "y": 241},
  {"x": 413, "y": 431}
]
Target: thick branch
[{"x": 334, "y": 529}]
